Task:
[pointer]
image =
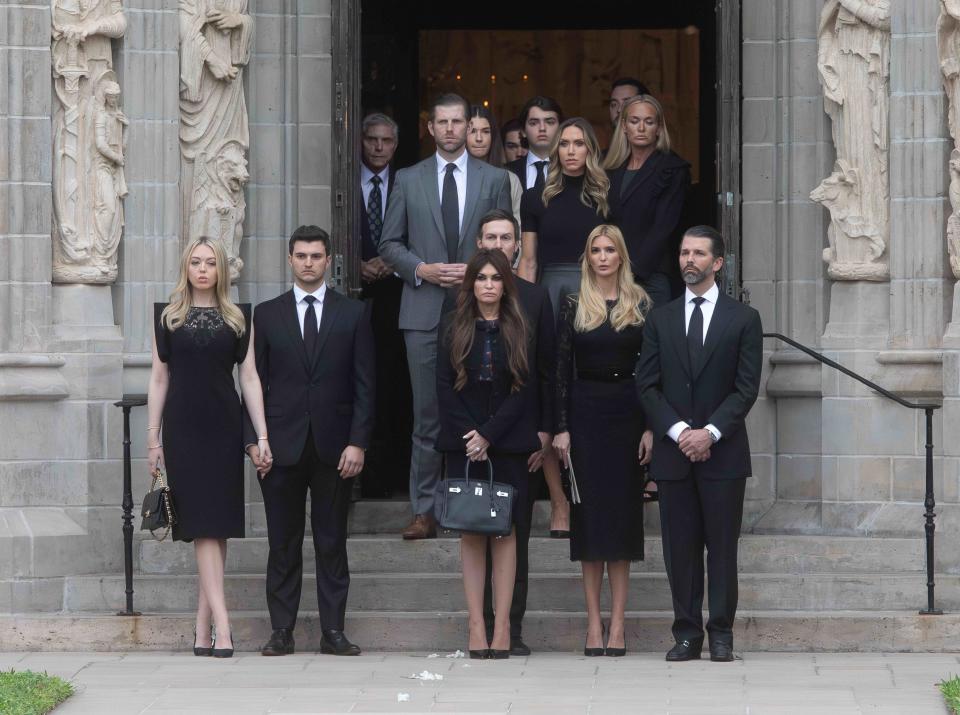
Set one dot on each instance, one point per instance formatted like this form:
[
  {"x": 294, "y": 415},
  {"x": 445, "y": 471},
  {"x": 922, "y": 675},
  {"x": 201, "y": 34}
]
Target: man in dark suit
[
  {"x": 428, "y": 236},
  {"x": 387, "y": 465},
  {"x": 539, "y": 121},
  {"x": 314, "y": 351},
  {"x": 499, "y": 231},
  {"x": 698, "y": 377}
]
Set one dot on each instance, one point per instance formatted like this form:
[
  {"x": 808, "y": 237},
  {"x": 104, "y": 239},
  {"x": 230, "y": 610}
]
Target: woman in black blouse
[
  {"x": 648, "y": 185},
  {"x": 488, "y": 410},
  {"x": 600, "y": 427}
]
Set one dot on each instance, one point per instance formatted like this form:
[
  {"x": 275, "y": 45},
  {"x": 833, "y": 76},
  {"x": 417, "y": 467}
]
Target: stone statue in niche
[
  {"x": 216, "y": 37},
  {"x": 854, "y": 63},
  {"x": 88, "y": 141},
  {"x": 948, "y": 48}
]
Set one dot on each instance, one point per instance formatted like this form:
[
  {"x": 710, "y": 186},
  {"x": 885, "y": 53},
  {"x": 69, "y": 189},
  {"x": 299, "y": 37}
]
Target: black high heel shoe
[
  {"x": 482, "y": 654},
  {"x": 222, "y": 652},
  {"x": 202, "y": 650},
  {"x": 499, "y": 654},
  {"x": 617, "y": 652},
  {"x": 594, "y": 652}
]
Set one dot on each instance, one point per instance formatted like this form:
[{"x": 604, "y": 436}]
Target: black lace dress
[
  {"x": 202, "y": 428},
  {"x": 597, "y": 403}
]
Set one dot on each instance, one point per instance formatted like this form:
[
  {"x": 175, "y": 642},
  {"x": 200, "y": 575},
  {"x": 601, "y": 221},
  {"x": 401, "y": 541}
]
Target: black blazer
[
  {"x": 649, "y": 213},
  {"x": 368, "y": 249},
  {"x": 538, "y": 310},
  {"x": 519, "y": 167},
  {"x": 332, "y": 394},
  {"x": 514, "y": 421},
  {"x": 721, "y": 392}
]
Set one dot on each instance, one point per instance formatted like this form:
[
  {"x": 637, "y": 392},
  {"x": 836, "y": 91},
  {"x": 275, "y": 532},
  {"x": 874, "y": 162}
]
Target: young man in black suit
[
  {"x": 499, "y": 231},
  {"x": 698, "y": 377},
  {"x": 314, "y": 351},
  {"x": 539, "y": 121}
]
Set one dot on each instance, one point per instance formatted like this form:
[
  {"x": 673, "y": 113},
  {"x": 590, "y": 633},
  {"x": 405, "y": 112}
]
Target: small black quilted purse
[
  {"x": 479, "y": 506},
  {"x": 157, "y": 511}
]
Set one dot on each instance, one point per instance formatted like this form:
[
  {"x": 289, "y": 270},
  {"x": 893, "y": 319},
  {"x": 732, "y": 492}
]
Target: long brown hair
[
  {"x": 596, "y": 185},
  {"x": 513, "y": 326},
  {"x": 495, "y": 155}
]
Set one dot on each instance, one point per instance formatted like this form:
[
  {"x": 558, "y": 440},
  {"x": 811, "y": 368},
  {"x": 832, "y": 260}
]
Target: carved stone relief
[
  {"x": 216, "y": 37},
  {"x": 88, "y": 141},
  {"x": 948, "y": 47},
  {"x": 854, "y": 64}
]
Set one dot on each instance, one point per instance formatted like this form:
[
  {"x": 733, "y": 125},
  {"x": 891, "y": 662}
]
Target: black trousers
[
  {"x": 518, "y": 606},
  {"x": 284, "y": 500},
  {"x": 697, "y": 513}
]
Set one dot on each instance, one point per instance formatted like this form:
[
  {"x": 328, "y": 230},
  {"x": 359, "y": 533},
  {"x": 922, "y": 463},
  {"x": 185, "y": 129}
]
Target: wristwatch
[{"x": 713, "y": 436}]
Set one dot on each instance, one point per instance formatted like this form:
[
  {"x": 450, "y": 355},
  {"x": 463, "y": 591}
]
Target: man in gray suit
[{"x": 428, "y": 236}]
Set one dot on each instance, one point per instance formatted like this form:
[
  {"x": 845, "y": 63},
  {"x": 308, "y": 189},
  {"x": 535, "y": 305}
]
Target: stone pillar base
[
  {"x": 951, "y": 339},
  {"x": 859, "y": 316}
]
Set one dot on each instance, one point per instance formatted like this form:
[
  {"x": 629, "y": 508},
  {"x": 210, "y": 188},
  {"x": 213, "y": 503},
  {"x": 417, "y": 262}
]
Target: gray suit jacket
[{"x": 413, "y": 231}]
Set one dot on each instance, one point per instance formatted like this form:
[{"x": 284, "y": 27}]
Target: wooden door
[{"x": 728, "y": 139}]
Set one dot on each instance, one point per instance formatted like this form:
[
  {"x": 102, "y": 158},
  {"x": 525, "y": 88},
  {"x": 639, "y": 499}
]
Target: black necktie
[
  {"x": 538, "y": 184},
  {"x": 310, "y": 326},
  {"x": 450, "y": 210},
  {"x": 695, "y": 333},
  {"x": 375, "y": 211}
]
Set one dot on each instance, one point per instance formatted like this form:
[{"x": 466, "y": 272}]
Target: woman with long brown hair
[
  {"x": 648, "y": 187},
  {"x": 484, "y": 143},
  {"x": 600, "y": 427},
  {"x": 193, "y": 405},
  {"x": 488, "y": 409}
]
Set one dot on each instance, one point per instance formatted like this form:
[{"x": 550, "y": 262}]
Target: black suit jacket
[
  {"x": 721, "y": 392},
  {"x": 519, "y": 167},
  {"x": 368, "y": 249},
  {"x": 514, "y": 422},
  {"x": 538, "y": 310},
  {"x": 331, "y": 394},
  {"x": 649, "y": 213}
]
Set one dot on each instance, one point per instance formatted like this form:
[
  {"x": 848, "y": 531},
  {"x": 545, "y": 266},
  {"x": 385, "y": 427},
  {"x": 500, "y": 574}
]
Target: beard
[{"x": 691, "y": 276}]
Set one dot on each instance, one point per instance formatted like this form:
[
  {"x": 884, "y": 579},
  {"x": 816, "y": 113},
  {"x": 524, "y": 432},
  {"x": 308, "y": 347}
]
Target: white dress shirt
[
  {"x": 532, "y": 170},
  {"x": 366, "y": 186},
  {"x": 706, "y": 307},
  {"x": 298, "y": 296},
  {"x": 459, "y": 175}
]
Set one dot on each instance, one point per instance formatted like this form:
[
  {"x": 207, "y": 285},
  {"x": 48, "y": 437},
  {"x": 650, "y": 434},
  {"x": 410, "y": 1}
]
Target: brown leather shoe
[{"x": 423, "y": 526}]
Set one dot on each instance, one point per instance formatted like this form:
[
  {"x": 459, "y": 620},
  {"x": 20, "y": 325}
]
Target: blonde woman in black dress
[
  {"x": 600, "y": 427},
  {"x": 194, "y": 408}
]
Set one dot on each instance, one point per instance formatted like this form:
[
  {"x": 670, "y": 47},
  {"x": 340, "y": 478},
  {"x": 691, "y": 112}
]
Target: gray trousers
[{"x": 425, "y": 461}]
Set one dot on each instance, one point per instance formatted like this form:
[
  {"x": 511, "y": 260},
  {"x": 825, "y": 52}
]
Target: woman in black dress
[
  {"x": 488, "y": 411},
  {"x": 648, "y": 186},
  {"x": 573, "y": 203},
  {"x": 600, "y": 427},
  {"x": 198, "y": 337}
]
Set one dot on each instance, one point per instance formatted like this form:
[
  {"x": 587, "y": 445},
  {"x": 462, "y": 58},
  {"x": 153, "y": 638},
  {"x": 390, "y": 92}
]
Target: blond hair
[
  {"x": 181, "y": 299},
  {"x": 596, "y": 184},
  {"x": 619, "y": 147},
  {"x": 633, "y": 303}
]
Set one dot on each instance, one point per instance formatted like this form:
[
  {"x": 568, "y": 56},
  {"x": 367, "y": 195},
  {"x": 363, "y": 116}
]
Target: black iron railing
[
  {"x": 128, "y": 403},
  {"x": 928, "y": 408}
]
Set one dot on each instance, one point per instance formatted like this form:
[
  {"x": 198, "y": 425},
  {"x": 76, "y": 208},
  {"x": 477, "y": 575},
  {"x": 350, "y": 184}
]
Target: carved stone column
[
  {"x": 215, "y": 44},
  {"x": 88, "y": 141},
  {"x": 948, "y": 50}
]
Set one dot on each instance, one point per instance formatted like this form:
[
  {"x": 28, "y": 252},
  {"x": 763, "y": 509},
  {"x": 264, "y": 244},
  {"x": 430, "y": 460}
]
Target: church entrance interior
[{"x": 500, "y": 54}]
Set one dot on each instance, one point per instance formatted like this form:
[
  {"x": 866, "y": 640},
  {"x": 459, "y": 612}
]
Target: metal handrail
[
  {"x": 128, "y": 403},
  {"x": 928, "y": 407}
]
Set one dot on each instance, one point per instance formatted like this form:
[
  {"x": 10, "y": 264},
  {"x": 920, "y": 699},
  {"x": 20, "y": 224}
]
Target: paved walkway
[{"x": 555, "y": 683}]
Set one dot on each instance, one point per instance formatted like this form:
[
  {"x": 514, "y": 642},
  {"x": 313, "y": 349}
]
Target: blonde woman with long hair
[
  {"x": 194, "y": 422},
  {"x": 600, "y": 430},
  {"x": 648, "y": 187}
]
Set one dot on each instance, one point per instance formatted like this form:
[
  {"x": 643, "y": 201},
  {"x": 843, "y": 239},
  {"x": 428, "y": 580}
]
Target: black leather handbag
[
  {"x": 479, "y": 506},
  {"x": 157, "y": 510}
]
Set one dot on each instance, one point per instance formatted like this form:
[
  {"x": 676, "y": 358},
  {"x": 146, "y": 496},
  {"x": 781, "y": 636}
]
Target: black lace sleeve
[
  {"x": 568, "y": 311},
  {"x": 161, "y": 335}
]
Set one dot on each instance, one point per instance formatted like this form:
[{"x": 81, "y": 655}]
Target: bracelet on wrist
[
  {"x": 155, "y": 446},
  {"x": 262, "y": 439}
]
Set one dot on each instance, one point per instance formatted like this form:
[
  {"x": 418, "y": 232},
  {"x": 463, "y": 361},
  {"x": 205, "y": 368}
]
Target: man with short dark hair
[
  {"x": 539, "y": 121},
  {"x": 499, "y": 231},
  {"x": 314, "y": 352},
  {"x": 514, "y": 145},
  {"x": 698, "y": 377},
  {"x": 620, "y": 91},
  {"x": 428, "y": 236}
]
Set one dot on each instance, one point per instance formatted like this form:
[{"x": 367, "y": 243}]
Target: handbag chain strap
[{"x": 160, "y": 478}]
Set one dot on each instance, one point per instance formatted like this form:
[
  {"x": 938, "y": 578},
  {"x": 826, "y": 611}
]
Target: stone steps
[
  {"x": 758, "y": 554},
  {"x": 430, "y": 592},
  {"x": 444, "y": 632}
]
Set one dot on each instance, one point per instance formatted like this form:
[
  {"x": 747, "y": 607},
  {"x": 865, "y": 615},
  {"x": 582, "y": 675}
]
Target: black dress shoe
[
  {"x": 280, "y": 643},
  {"x": 333, "y": 642},
  {"x": 721, "y": 652},
  {"x": 518, "y": 647},
  {"x": 685, "y": 650}
]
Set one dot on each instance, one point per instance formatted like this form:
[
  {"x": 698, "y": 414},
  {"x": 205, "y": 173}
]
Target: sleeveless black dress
[
  {"x": 597, "y": 403},
  {"x": 202, "y": 425}
]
